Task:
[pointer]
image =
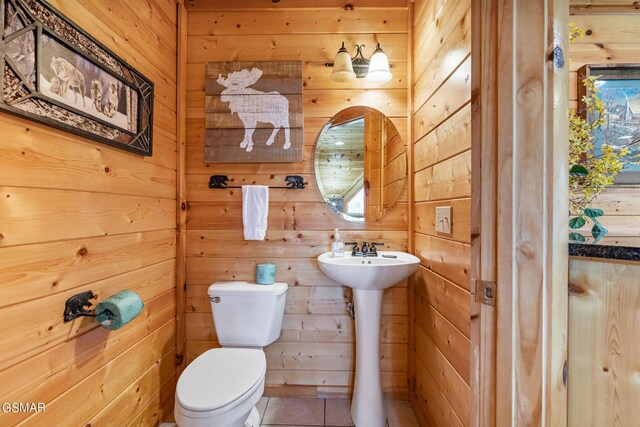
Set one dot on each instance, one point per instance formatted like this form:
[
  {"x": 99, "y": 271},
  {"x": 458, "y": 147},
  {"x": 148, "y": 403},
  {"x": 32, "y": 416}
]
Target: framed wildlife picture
[
  {"x": 253, "y": 112},
  {"x": 55, "y": 73},
  {"x": 619, "y": 90}
]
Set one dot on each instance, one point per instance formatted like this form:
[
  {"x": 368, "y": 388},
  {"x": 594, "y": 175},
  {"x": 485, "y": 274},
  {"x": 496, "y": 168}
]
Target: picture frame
[
  {"x": 253, "y": 112},
  {"x": 56, "y": 73},
  {"x": 619, "y": 86}
]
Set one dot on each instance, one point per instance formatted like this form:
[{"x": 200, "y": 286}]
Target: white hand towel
[{"x": 255, "y": 209}]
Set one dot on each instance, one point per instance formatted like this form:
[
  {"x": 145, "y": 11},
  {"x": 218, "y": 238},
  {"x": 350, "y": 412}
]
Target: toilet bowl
[{"x": 220, "y": 388}]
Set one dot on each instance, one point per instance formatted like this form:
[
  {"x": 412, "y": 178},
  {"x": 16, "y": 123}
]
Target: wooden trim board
[{"x": 520, "y": 128}]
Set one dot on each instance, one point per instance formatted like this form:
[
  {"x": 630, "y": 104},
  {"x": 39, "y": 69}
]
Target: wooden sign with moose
[{"x": 253, "y": 112}]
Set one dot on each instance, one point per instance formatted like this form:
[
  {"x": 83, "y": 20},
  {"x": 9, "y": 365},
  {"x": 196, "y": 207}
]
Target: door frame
[{"x": 519, "y": 212}]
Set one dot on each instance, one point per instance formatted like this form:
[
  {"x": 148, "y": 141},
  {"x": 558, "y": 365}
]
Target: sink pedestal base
[
  {"x": 367, "y": 407},
  {"x": 368, "y": 277}
]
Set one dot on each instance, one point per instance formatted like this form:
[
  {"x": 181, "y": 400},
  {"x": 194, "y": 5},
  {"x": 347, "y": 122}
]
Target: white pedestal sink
[{"x": 368, "y": 277}]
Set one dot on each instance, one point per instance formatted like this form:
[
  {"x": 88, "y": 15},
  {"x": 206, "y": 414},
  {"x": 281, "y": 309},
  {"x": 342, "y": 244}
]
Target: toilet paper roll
[
  {"x": 118, "y": 310},
  {"x": 265, "y": 274}
]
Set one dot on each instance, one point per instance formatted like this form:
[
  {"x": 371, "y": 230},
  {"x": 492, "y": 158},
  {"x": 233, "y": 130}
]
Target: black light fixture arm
[
  {"x": 359, "y": 63},
  {"x": 359, "y": 48}
]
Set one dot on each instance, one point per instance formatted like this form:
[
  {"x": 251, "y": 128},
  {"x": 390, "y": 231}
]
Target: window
[{"x": 355, "y": 206}]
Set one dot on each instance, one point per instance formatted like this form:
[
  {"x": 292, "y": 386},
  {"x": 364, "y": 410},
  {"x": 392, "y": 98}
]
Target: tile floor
[{"x": 298, "y": 412}]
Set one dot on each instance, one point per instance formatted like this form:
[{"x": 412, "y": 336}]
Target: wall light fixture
[{"x": 346, "y": 68}]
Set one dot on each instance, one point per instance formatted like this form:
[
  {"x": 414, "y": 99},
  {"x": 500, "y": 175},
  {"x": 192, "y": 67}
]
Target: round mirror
[{"x": 360, "y": 163}]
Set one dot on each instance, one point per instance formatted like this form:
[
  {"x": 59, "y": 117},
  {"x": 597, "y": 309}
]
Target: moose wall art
[{"x": 253, "y": 112}]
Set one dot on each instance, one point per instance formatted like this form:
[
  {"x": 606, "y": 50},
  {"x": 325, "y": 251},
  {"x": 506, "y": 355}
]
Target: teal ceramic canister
[{"x": 265, "y": 274}]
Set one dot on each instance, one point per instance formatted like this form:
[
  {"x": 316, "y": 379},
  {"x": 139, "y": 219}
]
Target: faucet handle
[
  {"x": 354, "y": 250},
  {"x": 373, "y": 250}
]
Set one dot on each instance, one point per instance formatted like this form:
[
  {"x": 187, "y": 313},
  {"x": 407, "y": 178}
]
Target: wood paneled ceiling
[{"x": 339, "y": 165}]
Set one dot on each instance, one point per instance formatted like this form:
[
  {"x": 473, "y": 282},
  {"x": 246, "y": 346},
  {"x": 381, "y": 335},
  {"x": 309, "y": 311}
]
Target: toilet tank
[{"x": 246, "y": 314}]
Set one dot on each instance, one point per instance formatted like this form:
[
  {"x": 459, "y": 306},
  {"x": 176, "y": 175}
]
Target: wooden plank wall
[
  {"x": 604, "y": 351},
  {"x": 611, "y": 39},
  {"x": 442, "y": 177},
  {"x": 315, "y": 354},
  {"x": 604, "y": 6},
  {"x": 78, "y": 215}
]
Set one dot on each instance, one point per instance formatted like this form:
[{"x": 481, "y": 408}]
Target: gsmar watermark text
[{"x": 23, "y": 407}]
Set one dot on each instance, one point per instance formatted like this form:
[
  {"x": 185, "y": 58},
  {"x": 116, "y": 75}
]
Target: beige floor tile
[
  {"x": 294, "y": 411},
  {"x": 400, "y": 414},
  {"x": 261, "y": 406},
  {"x": 337, "y": 412}
]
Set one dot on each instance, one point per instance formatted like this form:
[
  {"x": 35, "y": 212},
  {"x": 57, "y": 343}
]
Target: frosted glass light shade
[
  {"x": 342, "y": 67},
  {"x": 379, "y": 71}
]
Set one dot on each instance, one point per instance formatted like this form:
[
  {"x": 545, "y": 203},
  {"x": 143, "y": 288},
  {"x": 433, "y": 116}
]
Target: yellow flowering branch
[{"x": 589, "y": 173}]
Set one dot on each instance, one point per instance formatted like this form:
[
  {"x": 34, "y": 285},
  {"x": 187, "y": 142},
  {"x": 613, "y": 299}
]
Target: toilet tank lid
[{"x": 245, "y": 288}]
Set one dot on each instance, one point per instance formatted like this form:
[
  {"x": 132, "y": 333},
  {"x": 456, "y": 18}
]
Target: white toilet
[{"x": 221, "y": 387}]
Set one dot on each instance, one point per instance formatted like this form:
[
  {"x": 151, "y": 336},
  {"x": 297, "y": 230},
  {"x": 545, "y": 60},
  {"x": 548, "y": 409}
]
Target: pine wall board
[
  {"x": 315, "y": 353},
  {"x": 611, "y": 39},
  {"x": 603, "y": 297},
  {"x": 604, "y": 6},
  {"x": 77, "y": 215},
  {"x": 604, "y": 353},
  {"x": 442, "y": 177}
]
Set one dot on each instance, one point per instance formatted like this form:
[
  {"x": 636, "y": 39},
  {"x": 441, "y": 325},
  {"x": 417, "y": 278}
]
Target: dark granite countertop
[{"x": 606, "y": 252}]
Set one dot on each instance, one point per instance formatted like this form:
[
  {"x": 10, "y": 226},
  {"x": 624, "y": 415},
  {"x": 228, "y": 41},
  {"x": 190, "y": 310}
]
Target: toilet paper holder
[{"x": 77, "y": 306}]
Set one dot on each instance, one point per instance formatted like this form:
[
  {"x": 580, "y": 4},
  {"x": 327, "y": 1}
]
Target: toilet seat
[{"x": 220, "y": 379}]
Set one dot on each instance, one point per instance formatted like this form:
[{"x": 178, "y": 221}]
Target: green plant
[{"x": 590, "y": 172}]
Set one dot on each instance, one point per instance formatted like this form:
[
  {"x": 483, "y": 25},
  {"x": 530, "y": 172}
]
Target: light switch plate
[{"x": 443, "y": 219}]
